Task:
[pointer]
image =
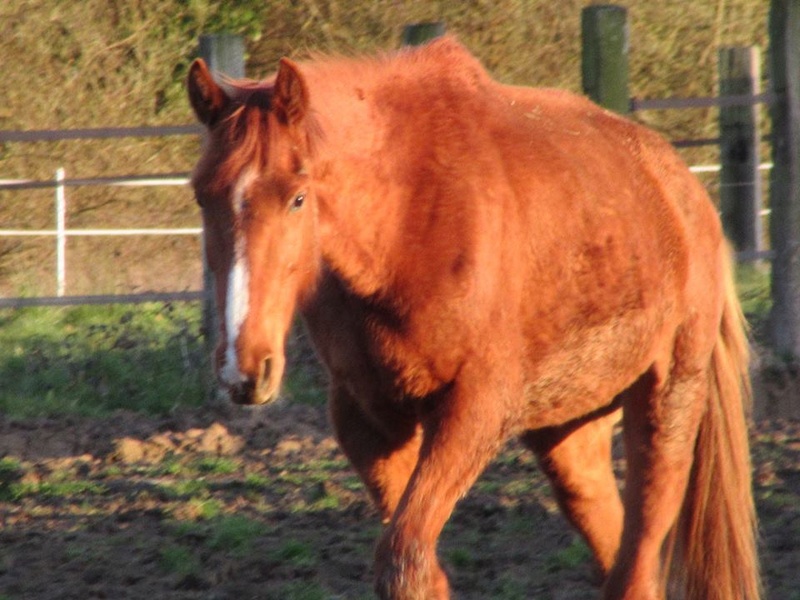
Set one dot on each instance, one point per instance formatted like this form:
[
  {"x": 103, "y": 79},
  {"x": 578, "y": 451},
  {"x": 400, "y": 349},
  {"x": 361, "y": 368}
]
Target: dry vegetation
[{"x": 122, "y": 63}]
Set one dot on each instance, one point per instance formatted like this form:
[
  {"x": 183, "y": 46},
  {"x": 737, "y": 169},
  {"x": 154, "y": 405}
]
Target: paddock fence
[
  {"x": 61, "y": 183},
  {"x": 61, "y": 233}
]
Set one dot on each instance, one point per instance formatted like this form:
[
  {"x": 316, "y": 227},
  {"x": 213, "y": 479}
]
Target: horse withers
[{"x": 476, "y": 261}]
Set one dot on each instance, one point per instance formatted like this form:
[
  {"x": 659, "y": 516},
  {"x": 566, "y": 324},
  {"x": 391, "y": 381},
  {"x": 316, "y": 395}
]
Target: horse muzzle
[{"x": 254, "y": 390}]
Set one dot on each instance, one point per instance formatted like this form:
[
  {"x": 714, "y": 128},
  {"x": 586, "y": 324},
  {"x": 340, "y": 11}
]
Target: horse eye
[{"x": 297, "y": 202}]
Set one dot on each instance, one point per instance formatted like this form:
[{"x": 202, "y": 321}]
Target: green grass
[
  {"x": 184, "y": 488},
  {"x": 301, "y": 590},
  {"x": 296, "y": 554},
  {"x": 256, "y": 481},
  {"x": 234, "y": 534},
  {"x": 205, "y": 509},
  {"x": 55, "y": 489},
  {"x": 570, "y": 557},
  {"x": 230, "y": 534},
  {"x": 179, "y": 560},
  {"x": 11, "y": 471},
  {"x": 753, "y": 287},
  {"x": 216, "y": 465},
  {"x": 92, "y": 360},
  {"x": 510, "y": 589},
  {"x": 461, "y": 558},
  {"x": 60, "y": 484}
]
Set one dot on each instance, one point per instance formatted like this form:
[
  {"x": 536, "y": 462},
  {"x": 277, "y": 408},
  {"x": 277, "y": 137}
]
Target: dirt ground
[{"x": 219, "y": 504}]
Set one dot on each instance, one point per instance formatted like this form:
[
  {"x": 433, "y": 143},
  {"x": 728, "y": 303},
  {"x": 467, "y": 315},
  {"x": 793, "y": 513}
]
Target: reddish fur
[{"x": 475, "y": 262}]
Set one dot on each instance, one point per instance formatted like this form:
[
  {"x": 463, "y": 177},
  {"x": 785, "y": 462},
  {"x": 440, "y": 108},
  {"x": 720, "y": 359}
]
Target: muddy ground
[{"x": 219, "y": 504}]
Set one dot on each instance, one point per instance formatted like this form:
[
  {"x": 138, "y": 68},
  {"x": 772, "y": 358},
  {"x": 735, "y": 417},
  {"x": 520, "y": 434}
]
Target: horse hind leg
[
  {"x": 577, "y": 459},
  {"x": 661, "y": 417}
]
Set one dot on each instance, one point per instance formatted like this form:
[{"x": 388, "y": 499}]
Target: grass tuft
[
  {"x": 235, "y": 534},
  {"x": 296, "y": 554},
  {"x": 179, "y": 560},
  {"x": 574, "y": 555},
  {"x": 300, "y": 590}
]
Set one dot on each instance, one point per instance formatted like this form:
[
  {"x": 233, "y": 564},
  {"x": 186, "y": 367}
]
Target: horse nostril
[
  {"x": 266, "y": 370},
  {"x": 264, "y": 385},
  {"x": 257, "y": 388}
]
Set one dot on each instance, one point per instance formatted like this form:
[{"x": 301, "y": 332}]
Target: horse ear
[
  {"x": 207, "y": 98},
  {"x": 290, "y": 98}
]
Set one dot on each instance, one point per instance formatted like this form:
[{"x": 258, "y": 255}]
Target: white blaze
[{"x": 237, "y": 298}]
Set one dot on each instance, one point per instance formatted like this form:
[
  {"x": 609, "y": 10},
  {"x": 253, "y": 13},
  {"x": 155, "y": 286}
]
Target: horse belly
[{"x": 586, "y": 370}]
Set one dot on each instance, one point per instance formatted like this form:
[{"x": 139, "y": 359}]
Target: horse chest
[{"x": 375, "y": 353}]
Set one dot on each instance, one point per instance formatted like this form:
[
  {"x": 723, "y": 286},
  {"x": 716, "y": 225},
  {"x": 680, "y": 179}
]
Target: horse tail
[{"x": 716, "y": 536}]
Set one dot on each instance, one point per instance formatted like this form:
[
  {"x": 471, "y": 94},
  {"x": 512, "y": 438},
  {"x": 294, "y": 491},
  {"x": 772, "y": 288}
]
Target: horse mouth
[
  {"x": 262, "y": 389},
  {"x": 251, "y": 393}
]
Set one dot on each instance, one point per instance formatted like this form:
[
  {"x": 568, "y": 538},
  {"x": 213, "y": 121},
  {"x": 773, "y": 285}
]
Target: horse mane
[
  {"x": 442, "y": 56},
  {"x": 241, "y": 137},
  {"x": 444, "y": 60}
]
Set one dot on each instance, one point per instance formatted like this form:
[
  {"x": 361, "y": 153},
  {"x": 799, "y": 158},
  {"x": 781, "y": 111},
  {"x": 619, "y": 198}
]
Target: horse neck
[{"x": 353, "y": 174}]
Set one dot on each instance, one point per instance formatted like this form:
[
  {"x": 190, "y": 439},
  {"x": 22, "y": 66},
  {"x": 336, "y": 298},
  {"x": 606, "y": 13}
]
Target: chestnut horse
[{"x": 476, "y": 261}]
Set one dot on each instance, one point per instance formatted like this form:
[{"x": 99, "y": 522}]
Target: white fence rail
[
  {"x": 717, "y": 168},
  {"x": 62, "y": 232}
]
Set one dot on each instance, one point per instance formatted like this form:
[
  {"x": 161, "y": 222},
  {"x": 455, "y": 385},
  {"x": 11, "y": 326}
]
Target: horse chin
[{"x": 252, "y": 393}]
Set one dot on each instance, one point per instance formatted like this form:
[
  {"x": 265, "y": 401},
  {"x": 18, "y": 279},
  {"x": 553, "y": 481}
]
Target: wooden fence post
[
  {"x": 422, "y": 33},
  {"x": 740, "y": 182},
  {"x": 604, "y": 56},
  {"x": 784, "y": 35},
  {"x": 224, "y": 55}
]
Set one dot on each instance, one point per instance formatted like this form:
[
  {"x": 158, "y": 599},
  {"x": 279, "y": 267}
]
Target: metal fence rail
[{"x": 61, "y": 232}]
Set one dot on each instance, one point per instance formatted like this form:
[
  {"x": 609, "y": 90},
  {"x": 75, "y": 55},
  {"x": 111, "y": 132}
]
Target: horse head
[{"x": 259, "y": 220}]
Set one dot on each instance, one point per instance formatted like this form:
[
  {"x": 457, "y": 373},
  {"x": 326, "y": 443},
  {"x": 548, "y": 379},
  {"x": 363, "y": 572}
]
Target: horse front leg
[
  {"x": 461, "y": 434},
  {"x": 382, "y": 448}
]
